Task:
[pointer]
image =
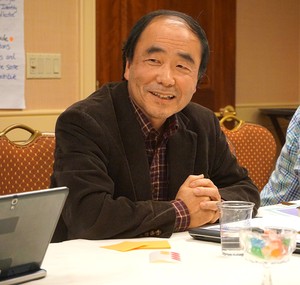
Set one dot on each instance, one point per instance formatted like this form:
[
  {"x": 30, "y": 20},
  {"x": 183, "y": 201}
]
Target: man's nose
[{"x": 165, "y": 76}]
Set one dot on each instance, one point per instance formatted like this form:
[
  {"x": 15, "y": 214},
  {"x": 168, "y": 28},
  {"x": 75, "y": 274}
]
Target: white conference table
[{"x": 85, "y": 262}]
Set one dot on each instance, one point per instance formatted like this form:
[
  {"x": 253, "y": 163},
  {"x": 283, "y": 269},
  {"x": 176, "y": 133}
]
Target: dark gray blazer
[{"x": 100, "y": 155}]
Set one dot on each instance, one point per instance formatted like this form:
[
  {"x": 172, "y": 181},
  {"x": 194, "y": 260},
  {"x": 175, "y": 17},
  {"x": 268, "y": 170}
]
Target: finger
[
  {"x": 215, "y": 218},
  {"x": 205, "y": 191},
  {"x": 194, "y": 178},
  {"x": 201, "y": 181},
  {"x": 212, "y": 192},
  {"x": 209, "y": 205}
]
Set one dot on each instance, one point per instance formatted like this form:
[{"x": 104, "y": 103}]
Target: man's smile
[{"x": 162, "y": 96}]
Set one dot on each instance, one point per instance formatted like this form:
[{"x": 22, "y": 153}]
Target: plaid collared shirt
[
  {"x": 156, "y": 148},
  {"x": 284, "y": 182}
]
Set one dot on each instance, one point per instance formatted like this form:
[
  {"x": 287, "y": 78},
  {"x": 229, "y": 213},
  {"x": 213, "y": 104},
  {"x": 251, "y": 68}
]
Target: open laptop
[
  {"x": 206, "y": 233},
  {"x": 27, "y": 223}
]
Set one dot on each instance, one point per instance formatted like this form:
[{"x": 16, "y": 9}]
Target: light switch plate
[{"x": 43, "y": 65}]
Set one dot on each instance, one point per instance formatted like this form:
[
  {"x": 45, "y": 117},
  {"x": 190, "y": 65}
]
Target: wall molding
[
  {"x": 24, "y": 113},
  {"x": 43, "y": 120},
  {"x": 268, "y": 105},
  {"x": 87, "y": 24},
  {"x": 251, "y": 113}
]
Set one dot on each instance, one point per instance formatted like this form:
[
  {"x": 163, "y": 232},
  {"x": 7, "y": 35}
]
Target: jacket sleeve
[{"x": 215, "y": 160}]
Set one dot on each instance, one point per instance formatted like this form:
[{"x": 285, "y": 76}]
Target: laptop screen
[{"x": 27, "y": 223}]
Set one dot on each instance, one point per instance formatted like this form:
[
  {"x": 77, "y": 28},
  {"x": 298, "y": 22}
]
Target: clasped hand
[{"x": 201, "y": 197}]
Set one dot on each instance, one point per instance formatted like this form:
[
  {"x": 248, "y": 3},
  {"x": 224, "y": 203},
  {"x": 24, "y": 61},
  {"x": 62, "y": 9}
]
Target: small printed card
[{"x": 164, "y": 256}]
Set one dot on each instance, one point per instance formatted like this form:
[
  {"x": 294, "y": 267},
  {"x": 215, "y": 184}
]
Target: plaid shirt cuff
[{"x": 182, "y": 215}]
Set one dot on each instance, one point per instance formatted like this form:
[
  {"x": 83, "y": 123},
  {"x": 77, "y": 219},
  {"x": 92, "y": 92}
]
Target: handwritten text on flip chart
[{"x": 12, "y": 55}]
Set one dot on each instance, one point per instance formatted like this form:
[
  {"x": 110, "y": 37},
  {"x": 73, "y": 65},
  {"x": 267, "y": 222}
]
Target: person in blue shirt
[{"x": 284, "y": 184}]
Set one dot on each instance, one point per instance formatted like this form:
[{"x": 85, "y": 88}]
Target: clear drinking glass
[
  {"x": 234, "y": 215},
  {"x": 268, "y": 246}
]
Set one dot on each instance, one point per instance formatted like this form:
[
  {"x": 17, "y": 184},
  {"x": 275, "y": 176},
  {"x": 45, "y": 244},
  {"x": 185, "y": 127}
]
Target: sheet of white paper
[
  {"x": 12, "y": 55},
  {"x": 282, "y": 216}
]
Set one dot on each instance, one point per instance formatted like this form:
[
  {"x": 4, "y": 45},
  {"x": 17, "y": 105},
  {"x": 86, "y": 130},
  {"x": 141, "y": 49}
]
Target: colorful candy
[{"x": 268, "y": 245}]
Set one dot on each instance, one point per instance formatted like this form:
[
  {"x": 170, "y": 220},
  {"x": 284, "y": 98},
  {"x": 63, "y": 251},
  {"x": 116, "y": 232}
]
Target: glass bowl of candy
[
  {"x": 268, "y": 245},
  {"x": 272, "y": 245}
]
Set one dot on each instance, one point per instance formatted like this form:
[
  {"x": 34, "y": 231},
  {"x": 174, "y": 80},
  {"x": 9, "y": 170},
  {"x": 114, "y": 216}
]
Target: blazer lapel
[
  {"x": 132, "y": 137},
  {"x": 181, "y": 163}
]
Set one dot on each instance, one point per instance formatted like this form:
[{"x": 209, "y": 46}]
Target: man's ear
[{"x": 126, "y": 72}]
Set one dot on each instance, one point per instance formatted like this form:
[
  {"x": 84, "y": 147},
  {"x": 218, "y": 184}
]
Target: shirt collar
[{"x": 171, "y": 125}]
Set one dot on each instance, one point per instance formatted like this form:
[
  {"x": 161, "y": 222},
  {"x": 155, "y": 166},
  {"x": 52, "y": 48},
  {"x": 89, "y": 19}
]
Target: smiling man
[{"x": 138, "y": 157}]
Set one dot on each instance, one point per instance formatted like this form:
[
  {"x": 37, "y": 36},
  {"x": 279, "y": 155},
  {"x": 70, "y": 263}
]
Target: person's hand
[
  {"x": 199, "y": 215},
  {"x": 203, "y": 187}
]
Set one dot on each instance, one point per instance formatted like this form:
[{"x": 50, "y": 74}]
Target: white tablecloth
[{"x": 85, "y": 262}]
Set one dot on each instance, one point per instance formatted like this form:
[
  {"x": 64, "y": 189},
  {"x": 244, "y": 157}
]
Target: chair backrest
[
  {"x": 254, "y": 147},
  {"x": 25, "y": 165}
]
